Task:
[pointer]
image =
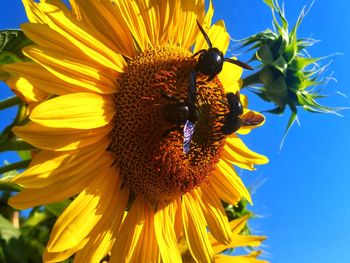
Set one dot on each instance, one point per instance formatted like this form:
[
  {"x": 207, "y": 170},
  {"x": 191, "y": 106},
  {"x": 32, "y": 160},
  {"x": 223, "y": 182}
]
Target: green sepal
[
  {"x": 300, "y": 63},
  {"x": 293, "y": 117}
]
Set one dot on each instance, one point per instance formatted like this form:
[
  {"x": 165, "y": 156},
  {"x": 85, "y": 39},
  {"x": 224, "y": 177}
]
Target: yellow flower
[{"x": 101, "y": 76}]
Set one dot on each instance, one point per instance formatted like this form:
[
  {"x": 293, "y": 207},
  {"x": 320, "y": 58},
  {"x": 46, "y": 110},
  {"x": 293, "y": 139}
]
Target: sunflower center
[{"x": 148, "y": 147}]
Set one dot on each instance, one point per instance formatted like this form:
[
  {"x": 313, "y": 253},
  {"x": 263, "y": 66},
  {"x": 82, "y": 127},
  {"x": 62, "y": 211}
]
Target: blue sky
[{"x": 303, "y": 200}]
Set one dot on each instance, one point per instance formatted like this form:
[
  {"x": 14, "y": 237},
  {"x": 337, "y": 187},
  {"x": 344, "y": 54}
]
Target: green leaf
[
  {"x": 7, "y": 230},
  {"x": 35, "y": 219},
  {"x": 11, "y": 44}
]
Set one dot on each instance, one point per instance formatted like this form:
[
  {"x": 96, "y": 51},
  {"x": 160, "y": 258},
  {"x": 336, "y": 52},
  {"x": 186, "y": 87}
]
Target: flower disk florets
[{"x": 147, "y": 147}]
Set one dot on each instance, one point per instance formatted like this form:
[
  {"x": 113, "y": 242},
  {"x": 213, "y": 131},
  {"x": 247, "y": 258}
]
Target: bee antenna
[
  {"x": 238, "y": 63},
  {"x": 204, "y": 34}
]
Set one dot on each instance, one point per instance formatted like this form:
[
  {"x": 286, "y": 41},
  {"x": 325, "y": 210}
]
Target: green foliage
[
  {"x": 27, "y": 242},
  {"x": 288, "y": 75}
]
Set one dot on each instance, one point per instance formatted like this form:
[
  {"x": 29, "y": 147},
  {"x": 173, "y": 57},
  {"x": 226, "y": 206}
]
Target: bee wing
[
  {"x": 188, "y": 133},
  {"x": 252, "y": 119}
]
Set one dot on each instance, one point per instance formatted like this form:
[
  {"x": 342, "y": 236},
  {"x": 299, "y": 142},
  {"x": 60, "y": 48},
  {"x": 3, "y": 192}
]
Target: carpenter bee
[
  {"x": 185, "y": 113},
  {"x": 211, "y": 60},
  {"x": 234, "y": 119}
]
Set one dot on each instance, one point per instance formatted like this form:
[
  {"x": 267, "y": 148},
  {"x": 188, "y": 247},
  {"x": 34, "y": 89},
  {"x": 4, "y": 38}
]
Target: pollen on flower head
[{"x": 147, "y": 148}]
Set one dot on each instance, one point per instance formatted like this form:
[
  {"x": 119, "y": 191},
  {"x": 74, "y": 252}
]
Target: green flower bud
[{"x": 287, "y": 76}]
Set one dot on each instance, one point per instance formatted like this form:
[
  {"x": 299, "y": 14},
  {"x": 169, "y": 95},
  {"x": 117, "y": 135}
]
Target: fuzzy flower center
[{"x": 148, "y": 148}]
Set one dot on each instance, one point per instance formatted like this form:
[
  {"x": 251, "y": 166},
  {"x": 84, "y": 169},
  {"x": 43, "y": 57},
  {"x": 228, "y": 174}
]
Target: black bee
[
  {"x": 185, "y": 113},
  {"x": 234, "y": 119},
  {"x": 211, "y": 60}
]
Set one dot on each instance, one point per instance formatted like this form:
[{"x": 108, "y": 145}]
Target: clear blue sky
[{"x": 303, "y": 202}]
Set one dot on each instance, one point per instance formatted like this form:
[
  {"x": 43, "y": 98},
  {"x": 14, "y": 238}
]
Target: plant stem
[
  {"x": 251, "y": 79},
  {"x": 14, "y": 145},
  {"x": 4, "y": 185},
  {"x": 14, "y": 166},
  {"x": 10, "y": 102}
]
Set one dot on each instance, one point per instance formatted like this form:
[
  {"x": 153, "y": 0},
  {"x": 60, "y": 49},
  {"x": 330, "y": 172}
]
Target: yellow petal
[
  {"x": 165, "y": 234},
  {"x": 102, "y": 237},
  {"x": 237, "y": 240},
  {"x": 238, "y": 224},
  {"x": 224, "y": 189},
  {"x": 236, "y": 152},
  {"x": 185, "y": 24},
  {"x": 136, "y": 231},
  {"x": 92, "y": 43},
  {"x": 130, "y": 12},
  {"x": 243, "y": 240},
  {"x": 25, "y": 90},
  {"x": 41, "y": 78},
  {"x": 166, "y": 11},
  {"x": 49, "y": 167},
  {"x": 149, "y": 10},
  {"x": 175, "y": 212},
  {"x": 33, "y": 12},
  {"x": 44, "y": 36},
  {"x": 102, "y": 16},
  {"x": 229, "y": 77},
  {"x": 73, "y": 71},
  {"x": 59, "y": 139},
  {"x": 85, "y": 212},
  {"x": 51, "y": 194},
  {"x": 208, "y": 16},
  {"x": 195, "y": 230},
  {"x": 62, "y": 255},
  {"x": 218, "y": 37},
  {"x": 214, "y": 214},
  {"x": 74, "y": 111},
  {"x": 229, "y": 172}
]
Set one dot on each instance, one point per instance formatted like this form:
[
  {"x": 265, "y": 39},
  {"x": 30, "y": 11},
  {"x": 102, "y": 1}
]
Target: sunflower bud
[{"x": 288, "y": 75}]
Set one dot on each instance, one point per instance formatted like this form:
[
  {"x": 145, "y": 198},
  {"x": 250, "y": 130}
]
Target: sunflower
[{"x": 100, "y": 76}]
